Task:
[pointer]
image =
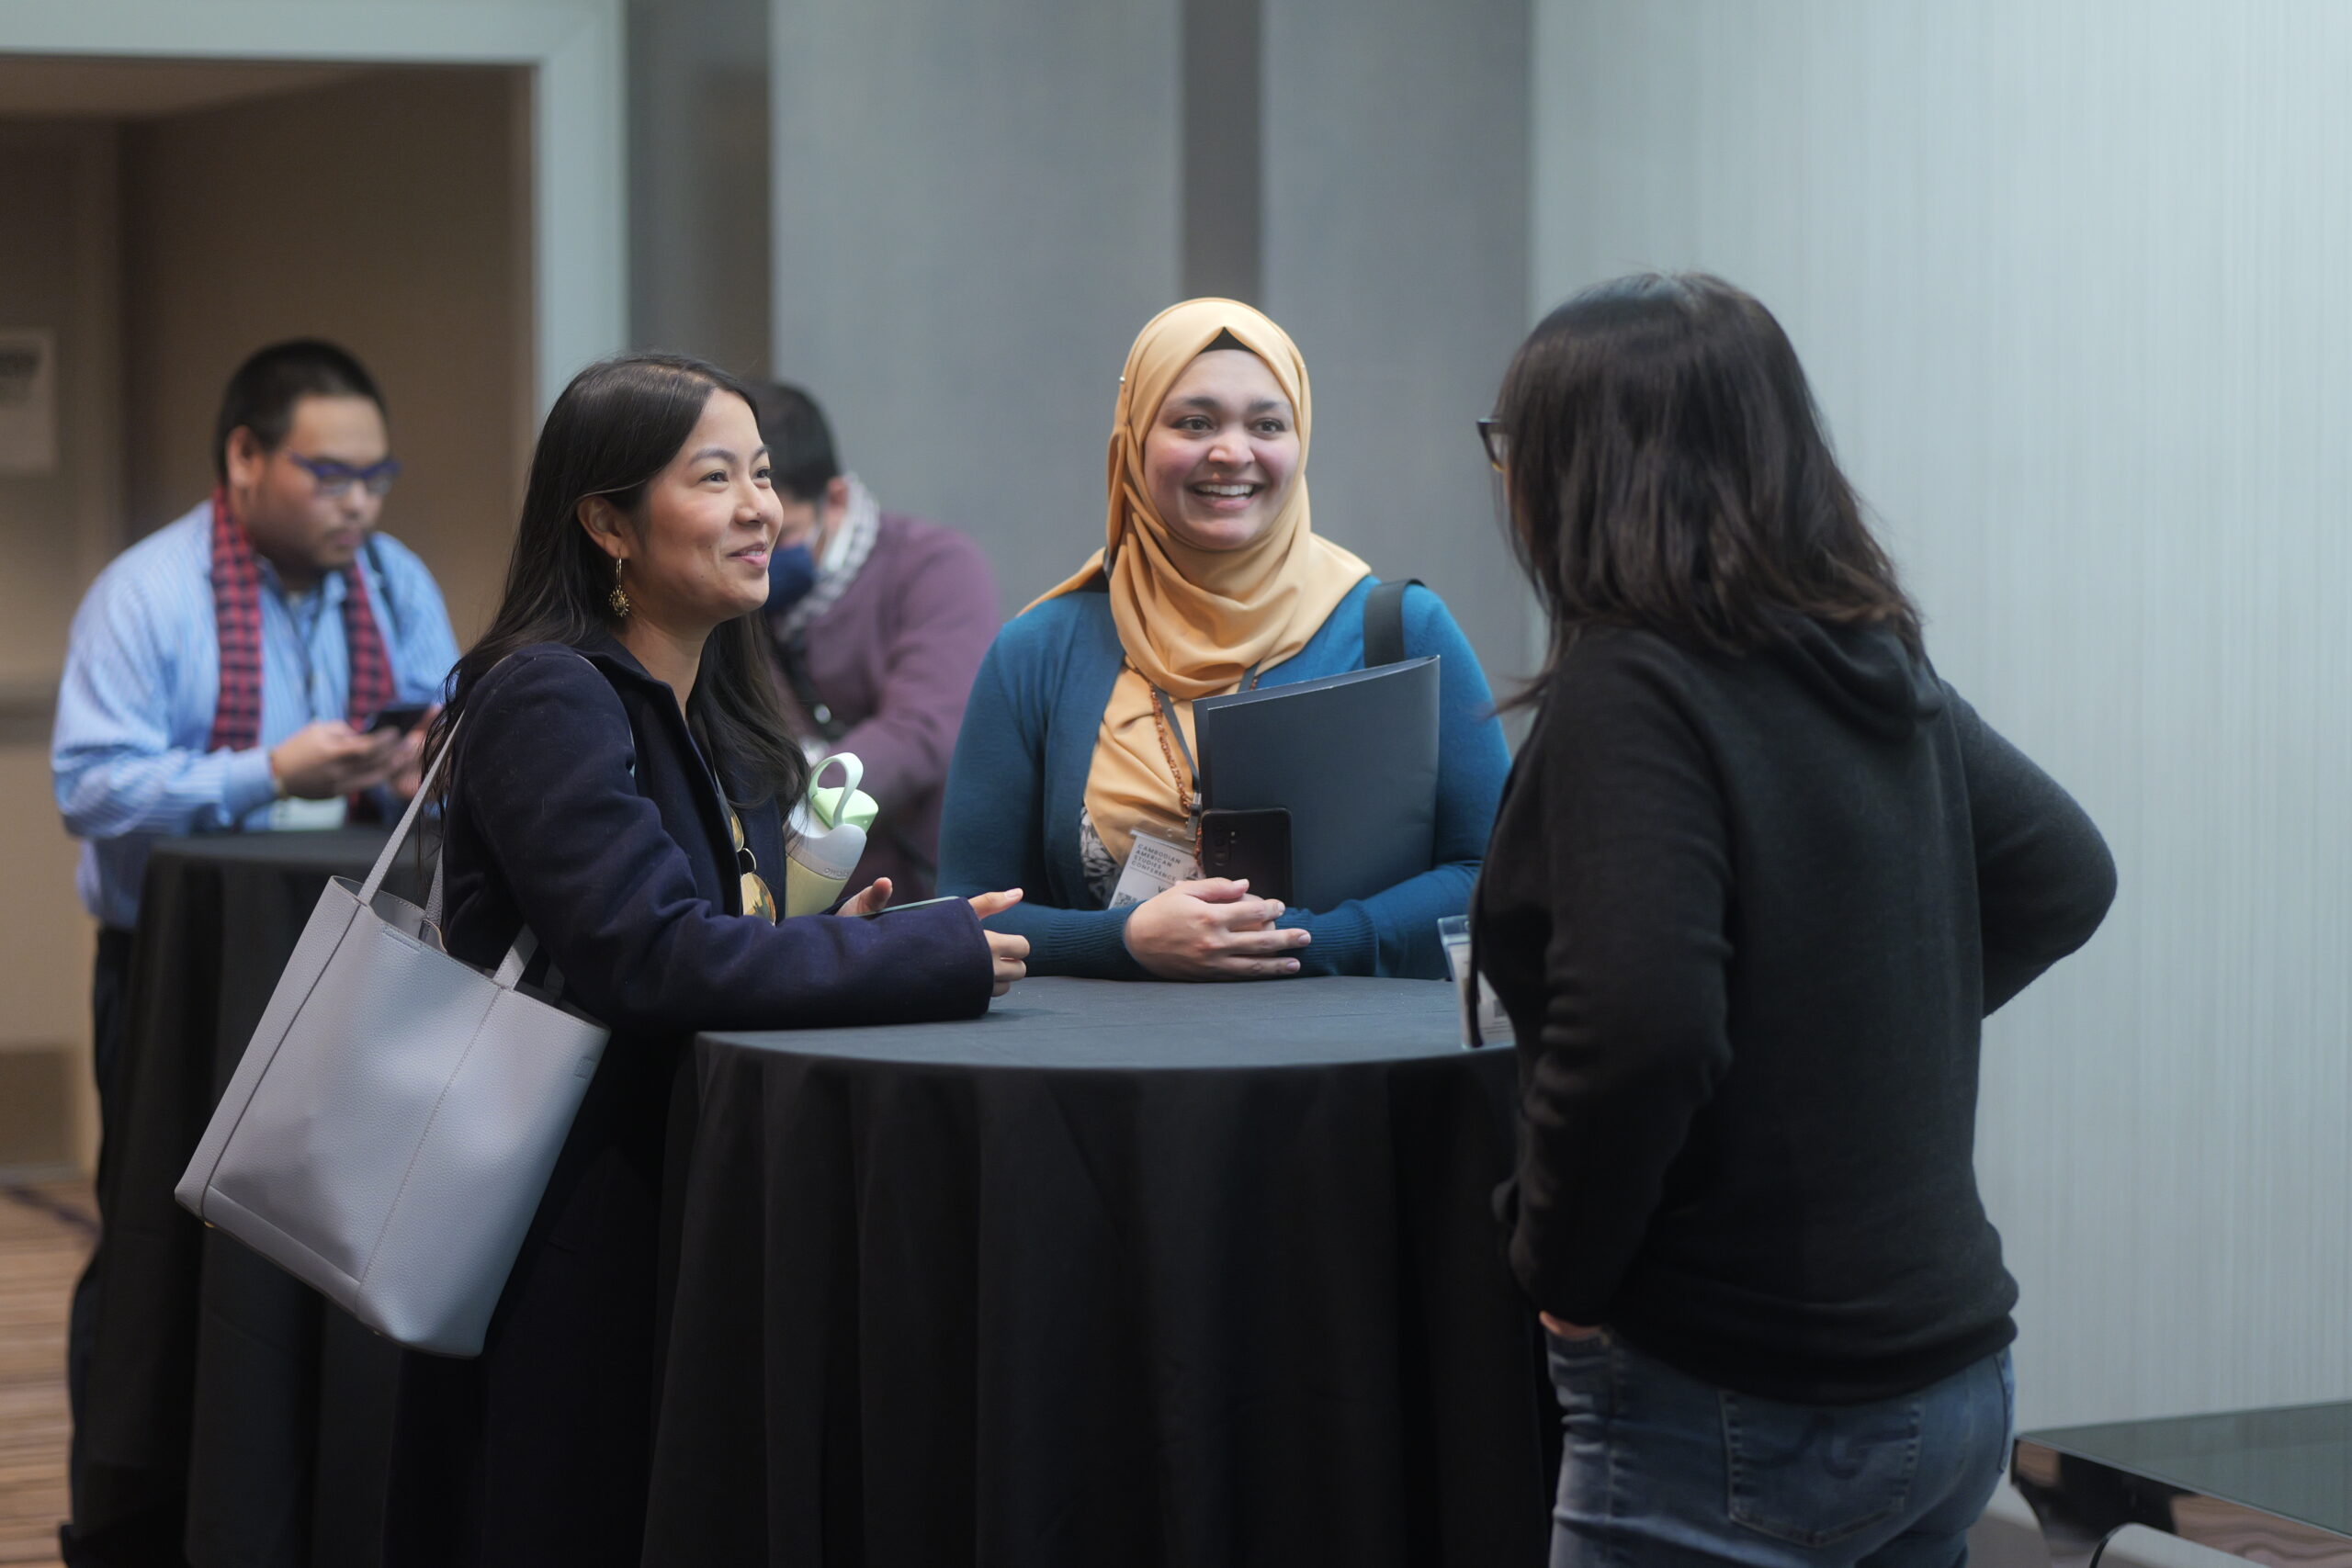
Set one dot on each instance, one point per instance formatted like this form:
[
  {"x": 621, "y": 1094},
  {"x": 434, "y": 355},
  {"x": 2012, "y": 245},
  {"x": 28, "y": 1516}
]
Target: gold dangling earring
[{"x": 617, "y": 598}]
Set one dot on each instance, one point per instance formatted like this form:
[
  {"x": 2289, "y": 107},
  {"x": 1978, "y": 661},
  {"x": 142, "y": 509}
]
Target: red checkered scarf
[{"x": 236, "y": 614}]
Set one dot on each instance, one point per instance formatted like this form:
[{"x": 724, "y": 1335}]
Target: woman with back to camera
[
  {"x": 1758, "y": 878},
  {"x": 615, "y": 787},
  {"x": 1211, "y": 577}
]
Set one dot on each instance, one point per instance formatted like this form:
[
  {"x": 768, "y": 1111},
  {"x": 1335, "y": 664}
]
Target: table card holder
[{"x": 1493, "y": 1023}]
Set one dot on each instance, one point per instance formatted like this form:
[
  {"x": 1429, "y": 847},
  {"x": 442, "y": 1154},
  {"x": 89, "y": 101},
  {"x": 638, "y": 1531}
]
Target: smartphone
[
  {"x": 402, "y": 717},
  {"x": 1252, "y": 844},
  {"x": 918, "y": 904}
]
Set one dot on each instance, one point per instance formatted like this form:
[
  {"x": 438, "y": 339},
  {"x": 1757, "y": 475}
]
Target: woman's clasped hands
[{"x": 1211, "y": 928}]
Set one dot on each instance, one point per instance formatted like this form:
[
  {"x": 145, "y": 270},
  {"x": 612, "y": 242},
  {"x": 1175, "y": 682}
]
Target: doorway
[{"x": 167, "y": 217}]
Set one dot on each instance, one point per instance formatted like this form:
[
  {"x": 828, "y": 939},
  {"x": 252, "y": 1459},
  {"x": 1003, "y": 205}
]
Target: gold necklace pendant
[{"x": 757, "y": 899}]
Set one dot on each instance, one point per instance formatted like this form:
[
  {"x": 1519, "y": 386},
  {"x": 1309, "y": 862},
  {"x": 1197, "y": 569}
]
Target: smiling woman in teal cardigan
[{"x": 1210, "y": 570}]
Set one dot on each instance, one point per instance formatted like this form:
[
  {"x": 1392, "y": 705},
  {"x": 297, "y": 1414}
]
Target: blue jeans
[{"x": 1661, "y": 1468}]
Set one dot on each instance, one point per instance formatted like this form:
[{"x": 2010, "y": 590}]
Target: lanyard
[
  {"x": 758, "y": 897},
  {"x": 306, "y": 614},
  {"x": 1169, "y": 729}
]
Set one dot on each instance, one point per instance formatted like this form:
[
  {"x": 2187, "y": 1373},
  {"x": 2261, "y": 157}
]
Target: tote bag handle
[{"x": 510, "y": 969}]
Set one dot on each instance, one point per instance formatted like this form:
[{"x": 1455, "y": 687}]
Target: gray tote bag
[{"x": 391, "y": 1129}]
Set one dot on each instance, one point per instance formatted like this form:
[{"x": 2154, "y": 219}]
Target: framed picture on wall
[{"x": 28, "y": 402}]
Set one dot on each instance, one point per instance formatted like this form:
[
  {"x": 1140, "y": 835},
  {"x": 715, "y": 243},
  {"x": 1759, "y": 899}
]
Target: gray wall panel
[
  {"x": 976, "y": 209},
  {"x": 1397, "y": 245},
  {"x": 1223, "y": 149},
  {"x": 2069, "y": 280},
  {"x": 698, "y": 179}
]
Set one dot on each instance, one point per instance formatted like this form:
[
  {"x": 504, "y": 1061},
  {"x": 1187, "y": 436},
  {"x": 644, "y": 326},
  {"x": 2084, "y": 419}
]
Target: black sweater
[{"x": 1746, "y": 914}]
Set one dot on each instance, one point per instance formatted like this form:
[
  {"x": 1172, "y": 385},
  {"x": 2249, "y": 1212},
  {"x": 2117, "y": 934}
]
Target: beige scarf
[{"x": 1194, "y": 622}]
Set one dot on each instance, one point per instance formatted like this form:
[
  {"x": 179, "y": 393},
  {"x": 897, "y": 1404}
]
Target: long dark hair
[
  {"x": 620, "y": 422},
  {"x": 1665, "y": 468}
]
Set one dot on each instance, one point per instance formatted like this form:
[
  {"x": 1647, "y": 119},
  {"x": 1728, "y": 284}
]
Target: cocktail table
[{"x": 2271, "y": 1486}]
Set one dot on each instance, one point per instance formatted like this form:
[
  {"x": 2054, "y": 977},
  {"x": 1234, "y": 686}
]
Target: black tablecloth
[
  {"x": 1124, "y": 1273},
  {"x": 215, "y": 1378}
]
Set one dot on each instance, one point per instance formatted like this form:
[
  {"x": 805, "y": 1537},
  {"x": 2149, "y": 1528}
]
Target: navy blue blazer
[{"x": 581, "y": 803}]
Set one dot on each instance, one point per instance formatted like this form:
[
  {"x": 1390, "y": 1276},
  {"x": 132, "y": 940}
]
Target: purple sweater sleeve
[{"x": 944, "y": 615}]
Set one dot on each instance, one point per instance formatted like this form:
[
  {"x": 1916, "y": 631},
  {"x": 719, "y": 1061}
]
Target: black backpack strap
[{"x": 1383, "y": 623}]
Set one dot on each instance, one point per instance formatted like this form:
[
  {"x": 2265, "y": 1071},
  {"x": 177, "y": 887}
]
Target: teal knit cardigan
[{"x": 1019, "y": 778}]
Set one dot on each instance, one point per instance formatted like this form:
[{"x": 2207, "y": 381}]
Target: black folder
[{"x": 1351, "y": 757}]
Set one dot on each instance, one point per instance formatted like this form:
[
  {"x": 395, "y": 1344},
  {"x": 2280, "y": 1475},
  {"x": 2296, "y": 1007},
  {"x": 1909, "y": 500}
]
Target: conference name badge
[{"x": 1153, "y": 867}]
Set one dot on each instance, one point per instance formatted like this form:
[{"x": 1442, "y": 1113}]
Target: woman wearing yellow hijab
[{"x": 1072, "y": 778}]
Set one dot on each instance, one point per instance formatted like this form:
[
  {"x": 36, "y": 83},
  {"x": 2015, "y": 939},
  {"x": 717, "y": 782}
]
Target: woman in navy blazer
[{"x": 615, "y": 788}]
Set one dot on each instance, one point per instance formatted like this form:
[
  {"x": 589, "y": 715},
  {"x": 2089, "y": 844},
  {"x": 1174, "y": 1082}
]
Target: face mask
[{"x": 792, "y": 572}]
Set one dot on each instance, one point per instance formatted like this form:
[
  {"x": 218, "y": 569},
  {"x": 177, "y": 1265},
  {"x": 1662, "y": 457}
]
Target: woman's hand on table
[
  {"x": 1008, "y": 952},
  {"x": 1211, "y": 928},
  {"x": 872, "y": 901}
]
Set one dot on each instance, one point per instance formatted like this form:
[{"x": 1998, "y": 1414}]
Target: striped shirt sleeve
[{"x": 114, "y": 761}]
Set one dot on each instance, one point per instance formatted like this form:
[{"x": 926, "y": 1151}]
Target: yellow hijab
[{"x": 1195, "y": 622}]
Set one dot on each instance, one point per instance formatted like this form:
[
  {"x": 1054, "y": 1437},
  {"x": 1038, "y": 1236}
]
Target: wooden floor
[{"x": 45, "y": 1236}]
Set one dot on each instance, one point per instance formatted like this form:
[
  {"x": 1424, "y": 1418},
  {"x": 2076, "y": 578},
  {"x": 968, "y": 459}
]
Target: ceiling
[{"x": 53, "y": 88}]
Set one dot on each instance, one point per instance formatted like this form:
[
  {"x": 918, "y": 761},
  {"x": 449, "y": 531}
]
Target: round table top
[
  {"x": 331, "y": 849},
  {"x": 1157, "y": 1025}
]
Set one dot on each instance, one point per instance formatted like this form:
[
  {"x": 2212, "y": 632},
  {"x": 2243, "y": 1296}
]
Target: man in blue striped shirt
[{"x": 225, "y": 671}]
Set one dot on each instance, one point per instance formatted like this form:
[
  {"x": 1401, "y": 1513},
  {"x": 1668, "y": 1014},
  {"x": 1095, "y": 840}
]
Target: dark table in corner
[
  {"x": 220, "y": 1388},
  {"x": 2270, "y": 1485},
  {"x": 1123, "y": 1272}
]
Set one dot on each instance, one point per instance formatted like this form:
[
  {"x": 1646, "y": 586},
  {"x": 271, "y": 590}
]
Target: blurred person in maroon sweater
[{"x": 879, "y": 622}]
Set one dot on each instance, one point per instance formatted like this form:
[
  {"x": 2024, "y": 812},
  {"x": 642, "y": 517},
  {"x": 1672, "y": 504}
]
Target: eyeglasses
[
  {"x": 334, "y": 478},
  {"x": 1497, "y": 440},
  {"x": 757, "y": 899}
]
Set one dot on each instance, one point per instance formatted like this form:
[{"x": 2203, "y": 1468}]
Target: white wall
[
  {"x": 2071, "y": 283},
  {"x": 698, "y": 180},
  {"x": 1396, "y": 253},
  {"x": 975, "y": 210}
]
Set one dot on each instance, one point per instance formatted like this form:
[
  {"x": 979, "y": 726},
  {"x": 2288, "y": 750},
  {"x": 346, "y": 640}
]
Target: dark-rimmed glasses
[
  {"x": 1497, "y": 440},
  {"x": 334, "y": 478}
]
